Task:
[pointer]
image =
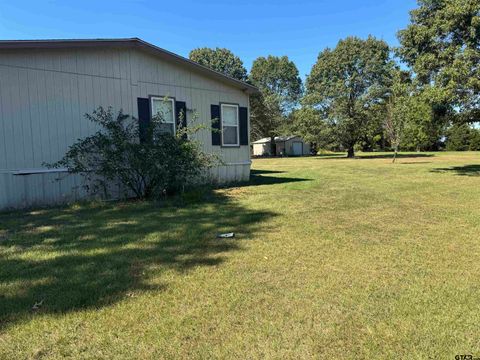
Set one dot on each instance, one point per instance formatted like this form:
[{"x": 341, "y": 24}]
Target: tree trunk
[
  {"x": 394, "y": 156},
  {"x": 273, "y": 146},
  {"x": 351, "y": 152}
]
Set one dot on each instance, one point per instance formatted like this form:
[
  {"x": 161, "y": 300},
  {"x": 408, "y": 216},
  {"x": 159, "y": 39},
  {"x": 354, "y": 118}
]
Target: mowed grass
[{"x": 333, "y": 258}]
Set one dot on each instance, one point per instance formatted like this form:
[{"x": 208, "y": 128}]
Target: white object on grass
[{"x": 226, "y": 235}]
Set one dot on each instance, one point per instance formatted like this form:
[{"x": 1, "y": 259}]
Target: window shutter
[
  {"x": 216, "y": 125},
  {"x": 143, "y": 117},
  {"x": 181, "y": 115},
  {"x": 243, "y": 122}
]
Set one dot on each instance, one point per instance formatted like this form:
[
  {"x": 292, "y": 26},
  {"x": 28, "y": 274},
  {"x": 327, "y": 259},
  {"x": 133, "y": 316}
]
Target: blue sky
[{"x": 299, "y": 29}]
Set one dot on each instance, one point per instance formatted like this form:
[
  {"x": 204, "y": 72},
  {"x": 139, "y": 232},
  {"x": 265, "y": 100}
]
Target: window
[
  {"x": 163, "y": 112},
  {"x": 230, "y": 125}
]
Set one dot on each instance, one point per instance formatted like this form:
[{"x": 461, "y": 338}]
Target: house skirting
[{"x": 26, "y": 188}]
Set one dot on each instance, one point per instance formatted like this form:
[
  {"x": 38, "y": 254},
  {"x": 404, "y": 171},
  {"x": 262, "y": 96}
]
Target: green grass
[{"x": 333, "y": 258}]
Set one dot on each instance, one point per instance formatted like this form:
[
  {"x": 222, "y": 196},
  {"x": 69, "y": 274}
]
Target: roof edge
[{"x": 127, "y": 42}]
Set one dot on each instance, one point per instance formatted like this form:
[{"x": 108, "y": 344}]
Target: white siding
[{"x": 44, "y": 95}]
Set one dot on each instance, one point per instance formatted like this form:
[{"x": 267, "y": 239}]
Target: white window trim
[
  {"x": 237, "y": 144},
  {"x": 172, "y": 100}
]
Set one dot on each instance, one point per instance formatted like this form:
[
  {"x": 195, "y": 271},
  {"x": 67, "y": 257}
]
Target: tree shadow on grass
[
  {"x": 91, "y": 256},
  {"x": 255, "y": 172},
  {"x": 466, "y": 170},
  {"x": 414, "y": 162},
  {"x": 331, "y": 156},
  {"x": 390, "y": 156},
  {"x": 364, "y": 156},
  {"x": 256, "y": 180}
]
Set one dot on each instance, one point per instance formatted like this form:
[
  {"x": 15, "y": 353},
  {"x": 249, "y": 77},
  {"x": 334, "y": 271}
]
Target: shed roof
[
  {"x": 129, "y": 43},
  {"x": 277, "y": 139}
]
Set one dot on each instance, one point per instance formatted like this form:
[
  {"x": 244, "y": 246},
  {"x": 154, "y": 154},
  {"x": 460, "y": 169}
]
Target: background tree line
[{"x": 365, "y": 95}]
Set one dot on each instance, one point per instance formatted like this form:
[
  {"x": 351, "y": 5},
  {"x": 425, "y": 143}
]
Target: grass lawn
[{"x": 333, "y": 258}]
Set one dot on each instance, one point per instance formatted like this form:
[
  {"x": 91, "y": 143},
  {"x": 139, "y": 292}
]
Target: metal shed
[{"x": 284, "y": 146}]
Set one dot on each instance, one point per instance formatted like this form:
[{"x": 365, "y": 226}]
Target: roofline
[
  {"x": 126, "y": 42},
  {"x": 267, "y": 139}
]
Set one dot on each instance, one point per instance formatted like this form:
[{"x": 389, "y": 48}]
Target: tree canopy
[
  {"x": 277, "y": 76},
  {"x": 221, "y": 60},
  {"x": 358, "y": 96},
  {"x": 280, "y": 91},
  {"x": 442, "y": 46},
  {"x": 347, "y": 82}
]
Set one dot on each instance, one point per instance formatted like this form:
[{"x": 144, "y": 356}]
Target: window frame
[
  {"x": 164, "y": 98},
  {"x": 236, "y": 106}
]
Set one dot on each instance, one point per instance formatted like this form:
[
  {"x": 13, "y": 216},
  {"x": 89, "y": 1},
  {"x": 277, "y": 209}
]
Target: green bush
[{"x": 115, "y": 158}]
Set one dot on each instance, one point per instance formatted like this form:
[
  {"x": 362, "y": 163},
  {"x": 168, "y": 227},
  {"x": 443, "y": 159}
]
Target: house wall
[{"x": 44, "y": 95}]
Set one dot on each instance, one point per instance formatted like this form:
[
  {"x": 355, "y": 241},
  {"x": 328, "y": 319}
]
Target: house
[
  {"x": 46, "y": 87},
  {"x": 284, "y": 146}
]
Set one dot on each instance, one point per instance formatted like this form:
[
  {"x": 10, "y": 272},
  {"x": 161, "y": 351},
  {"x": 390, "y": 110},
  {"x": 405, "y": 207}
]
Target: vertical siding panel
[
  {"x": 89, "y": 61},
  {"x": 51, "y": 115},
  {"x": 34, "y": 191},
  {"x": 28, "y": 191},
  {"x": 3, "y": 128},
  {"x": 109, "y": 63},
  {"x": 61, "y": 123},
  {"x": 197, "y": 108},
  {"x": 69, "y": 63},
  {"x": 16, "y": 117},
  {"x": 108, "y": 90},
  {"x": 67, "y": 119},
  {"x": 116, "y": 64},
  {"x": 39, "y": 60},
  {"x": 78, "y": 61},
  {"x": 124, "y": 64},
  {"x": 44, "y": 116},
  {"x": 205, "y": 99},
  {"x": 3, "y": 193},
  {"x": 161, "y": 78},
  {"x": 96, "y": 98},
  {"x": 32, "y": 81},
  {"x": 134, "y": 67},
  {"x": 83, "y": 88},
  {"x": 117, "y": 96},
  {"x": 103, "y": 95},
  {"x": 75, "y": 108},
  {"x": 125, "y": 97},
  {"x": 158, "y": 72}
]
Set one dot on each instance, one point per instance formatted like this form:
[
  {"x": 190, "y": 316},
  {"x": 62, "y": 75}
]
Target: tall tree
[
  {"x": 277, "y": 76},
  {"x": 442, "y": 45},
  {"x": 423, "y": 129},
  {"x": 310, "y": 124},
  {"x": 280, "y": 91},
  {"x": 397, "y": 107},
  {"x": 221, "y": 60},
  {"x": 347, "y": 82}
]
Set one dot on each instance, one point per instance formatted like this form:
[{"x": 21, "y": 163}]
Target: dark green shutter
[
  {"x": 243, "y": 114},
  {"x": 216, "y": 125},
  {"x": 143, "y": 105}
]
